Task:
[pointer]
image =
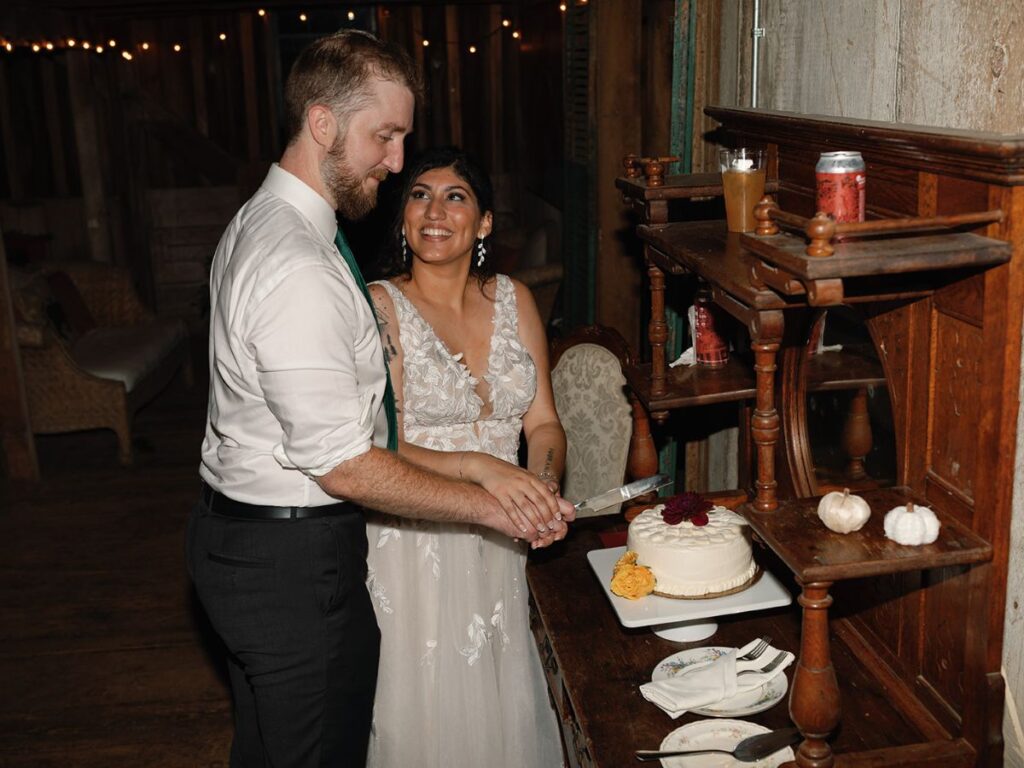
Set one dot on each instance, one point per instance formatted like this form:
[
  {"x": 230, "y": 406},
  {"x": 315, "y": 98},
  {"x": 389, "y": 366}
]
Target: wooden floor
[{"x": 104, "y": 660}]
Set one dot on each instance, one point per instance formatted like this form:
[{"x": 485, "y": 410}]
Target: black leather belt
[{"x": 219, "y": 504}]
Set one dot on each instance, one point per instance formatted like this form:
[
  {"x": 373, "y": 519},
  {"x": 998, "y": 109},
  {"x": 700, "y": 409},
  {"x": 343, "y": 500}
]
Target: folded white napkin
[{"x": 706, "y": 684}]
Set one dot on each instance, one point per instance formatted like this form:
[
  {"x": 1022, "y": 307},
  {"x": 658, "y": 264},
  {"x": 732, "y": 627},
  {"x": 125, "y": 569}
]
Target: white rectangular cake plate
[{"x": 653, "y": 610}]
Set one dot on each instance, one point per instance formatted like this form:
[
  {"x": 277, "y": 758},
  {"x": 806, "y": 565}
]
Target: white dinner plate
[
  {"x": 740, "y": 705},
  {"x": 717, "y": 734}
]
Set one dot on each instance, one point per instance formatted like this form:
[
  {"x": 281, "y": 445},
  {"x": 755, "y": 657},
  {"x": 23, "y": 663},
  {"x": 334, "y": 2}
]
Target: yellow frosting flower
[
  {"x": 632, "y": 581},
  {"x": 629, "y": 558}
]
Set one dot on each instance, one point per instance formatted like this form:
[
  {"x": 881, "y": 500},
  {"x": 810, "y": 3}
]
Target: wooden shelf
[
  {"x": 682, "y": 187},
  {"x": 852, "y": 367},
  {"x": 815, "y": 554},
  {"x": 688, "y": 386},
  {"x": 708, "y": 249},
  {"x": 879, "y": 255}
]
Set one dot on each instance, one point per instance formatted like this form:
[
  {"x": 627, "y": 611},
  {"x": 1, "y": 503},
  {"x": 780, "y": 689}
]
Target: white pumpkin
[
  {"x": 843, "y": 512},
  {"x": 911, "y": 524}
]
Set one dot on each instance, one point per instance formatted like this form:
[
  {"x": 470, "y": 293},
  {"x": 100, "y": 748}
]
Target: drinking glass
[{"x": 743, "y": 186}]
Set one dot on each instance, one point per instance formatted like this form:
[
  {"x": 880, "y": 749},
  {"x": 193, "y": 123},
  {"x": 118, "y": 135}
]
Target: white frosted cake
[{"x": 689, "y": 560}]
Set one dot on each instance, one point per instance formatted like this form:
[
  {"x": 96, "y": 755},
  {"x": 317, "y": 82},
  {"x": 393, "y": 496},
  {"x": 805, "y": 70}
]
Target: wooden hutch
[{"x": 899, "y": 647}]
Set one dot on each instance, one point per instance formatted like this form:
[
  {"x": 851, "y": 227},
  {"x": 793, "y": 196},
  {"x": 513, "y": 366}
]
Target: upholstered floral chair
[{"x": 606, "y": 428}]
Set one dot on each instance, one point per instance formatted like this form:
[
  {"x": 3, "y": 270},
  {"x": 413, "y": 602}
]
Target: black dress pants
[{"x": 289, "y": 600}]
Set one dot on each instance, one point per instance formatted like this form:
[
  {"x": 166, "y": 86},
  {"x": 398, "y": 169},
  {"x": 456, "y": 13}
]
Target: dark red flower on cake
[{"x": 687, "y": 506}]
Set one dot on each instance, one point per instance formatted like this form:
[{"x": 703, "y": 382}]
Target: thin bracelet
[{"x": 547, "y": 475}]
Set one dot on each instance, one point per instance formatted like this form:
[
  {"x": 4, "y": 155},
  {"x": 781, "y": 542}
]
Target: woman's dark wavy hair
[{"x": 470, "y": 171}]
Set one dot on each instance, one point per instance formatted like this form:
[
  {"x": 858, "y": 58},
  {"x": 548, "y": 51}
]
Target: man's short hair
[{"x": 336, "y": 71}]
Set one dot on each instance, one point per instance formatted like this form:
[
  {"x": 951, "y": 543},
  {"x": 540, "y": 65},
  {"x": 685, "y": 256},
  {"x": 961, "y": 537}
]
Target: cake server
[
  {"x": 749, "y": 750},
  {"x": 624, "y": 493}
]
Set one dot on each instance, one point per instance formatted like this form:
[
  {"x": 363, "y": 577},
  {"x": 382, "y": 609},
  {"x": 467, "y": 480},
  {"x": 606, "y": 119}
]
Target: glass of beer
[{"x": 743, "y": 186}]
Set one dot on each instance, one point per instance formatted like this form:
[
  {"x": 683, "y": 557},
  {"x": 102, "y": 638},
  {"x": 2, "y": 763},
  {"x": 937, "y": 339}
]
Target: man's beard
[{"x": 352, "y": 201}]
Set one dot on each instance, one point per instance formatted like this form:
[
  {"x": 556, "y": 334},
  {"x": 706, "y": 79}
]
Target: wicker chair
[{"x": 92, "y": 377}]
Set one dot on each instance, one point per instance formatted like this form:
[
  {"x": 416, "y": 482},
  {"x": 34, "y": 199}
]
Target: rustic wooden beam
[
  {"x": 495, "y": 117},
  {"x": 451, "y": 34},
  {"x": 197, "y": 54},
  {"x": 19, "y": 449},
  {"x": 252, "y": 109},
  {"x": 54, "y": 123},
  {"x": 87, "y": 141},
  {"x": 14, "y": 184}
]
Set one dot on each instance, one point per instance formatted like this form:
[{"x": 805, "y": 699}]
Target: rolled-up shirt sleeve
[{"x": 306, "y": 336}]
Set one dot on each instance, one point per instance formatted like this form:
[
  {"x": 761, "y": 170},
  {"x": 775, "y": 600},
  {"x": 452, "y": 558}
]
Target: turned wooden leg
[
  {"x": 764, "y": 425},
  {"x": 856, "y": 439},
  {"x": 657, "y": 330},
  {"x": 814, "y": 699}
]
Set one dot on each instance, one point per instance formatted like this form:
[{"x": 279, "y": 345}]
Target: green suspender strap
[{"x": 389, "y": 392}]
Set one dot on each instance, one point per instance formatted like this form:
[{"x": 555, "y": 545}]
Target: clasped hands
[{"x": 534, "y": 510}]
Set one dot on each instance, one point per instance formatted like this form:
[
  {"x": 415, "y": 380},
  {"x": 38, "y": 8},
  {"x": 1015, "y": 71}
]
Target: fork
[
  {"x": 771, "y": 666},
  {"x": 757, "y": 650}
]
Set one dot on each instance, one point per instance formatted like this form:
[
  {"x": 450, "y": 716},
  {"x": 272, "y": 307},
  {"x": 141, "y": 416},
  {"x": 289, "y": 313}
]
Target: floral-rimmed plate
[
  {"x": 740, "y": 705},
  {"x": 717, "y": 734}
]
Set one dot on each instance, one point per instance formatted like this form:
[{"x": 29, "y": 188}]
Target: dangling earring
[
  {"x": 481, "y": 251},
  {"x": 405, "y": 249}
]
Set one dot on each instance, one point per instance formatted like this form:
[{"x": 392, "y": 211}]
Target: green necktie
[{"x": 389, "y": 392}]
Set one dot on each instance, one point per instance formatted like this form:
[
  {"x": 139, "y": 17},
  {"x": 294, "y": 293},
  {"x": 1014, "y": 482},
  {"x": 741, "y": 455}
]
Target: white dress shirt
[{"x": 297, "y": 370}]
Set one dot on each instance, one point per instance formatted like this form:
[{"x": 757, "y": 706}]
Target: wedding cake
[{"x": 692, "y": 554}]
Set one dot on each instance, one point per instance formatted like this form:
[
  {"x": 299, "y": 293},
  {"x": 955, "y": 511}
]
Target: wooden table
[{"x": 594, "y": 665}]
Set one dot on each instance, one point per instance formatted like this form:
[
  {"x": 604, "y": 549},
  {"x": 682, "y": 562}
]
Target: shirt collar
[{"x": 309, "y": 203}]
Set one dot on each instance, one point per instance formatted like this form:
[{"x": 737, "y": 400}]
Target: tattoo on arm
[
  {"x": 390, "y": 352},
  {"x": 548, "y": 459}
]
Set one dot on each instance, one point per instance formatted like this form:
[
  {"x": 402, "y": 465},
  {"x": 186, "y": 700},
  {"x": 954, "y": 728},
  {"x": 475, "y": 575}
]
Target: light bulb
[{"x": 177, "y": 47}]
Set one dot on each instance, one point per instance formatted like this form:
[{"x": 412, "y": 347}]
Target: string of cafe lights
[{"x": 129, "y": 51}]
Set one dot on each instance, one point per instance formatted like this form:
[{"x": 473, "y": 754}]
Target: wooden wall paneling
[
  {"x": 955, "y": 410},
  {"x": 997, "y": 439},
  {"x": 197, "y": 56},
  {"x": 615, "y": 48},
  {"x": 14, "y": 185},
  {"x": 494, "y": 113},
  {"x": 656, "y": 78},
  {"x": 833, "y": 59},
  {"x": 246, "y": 45},
  {"x": 961, "y": 65},
  {"x": 452, "y": 58},
  {"x": 706, "y": 83},
  {"x": 734, "y": 53},
  {"x": 87, "y": 141},
  {"x": 943, "y": 633},
  {"x": 54, "y": 124},
  {"x": 19, "y": 449}
]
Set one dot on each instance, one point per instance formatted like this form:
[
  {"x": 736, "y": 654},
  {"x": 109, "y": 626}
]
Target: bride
[{"x": 460, "y": 681}]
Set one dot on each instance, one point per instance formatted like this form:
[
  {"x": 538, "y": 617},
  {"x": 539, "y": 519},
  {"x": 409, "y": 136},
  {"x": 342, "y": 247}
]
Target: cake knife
[{"x": 623, "y": 493}]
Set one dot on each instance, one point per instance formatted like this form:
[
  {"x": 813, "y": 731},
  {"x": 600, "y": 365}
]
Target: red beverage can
[
  {"x": 710, "y": 348},
  {"x": 841, "y": 178}
]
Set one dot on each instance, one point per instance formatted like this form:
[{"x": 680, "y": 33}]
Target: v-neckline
[{"x": 460, "y": 358}]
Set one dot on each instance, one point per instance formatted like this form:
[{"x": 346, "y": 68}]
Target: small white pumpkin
[
  {"x": 843, "y": 512},
  {"x": 911, "y": 524}
]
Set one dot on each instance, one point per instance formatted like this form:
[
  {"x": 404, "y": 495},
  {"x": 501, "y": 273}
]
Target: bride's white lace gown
[{"x": 460, "y": 681}]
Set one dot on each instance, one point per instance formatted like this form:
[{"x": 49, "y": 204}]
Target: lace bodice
[{"x": 442, "y": 405}]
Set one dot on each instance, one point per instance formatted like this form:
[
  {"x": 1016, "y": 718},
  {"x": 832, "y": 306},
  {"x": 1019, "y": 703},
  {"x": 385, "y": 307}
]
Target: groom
[{"x": 298, "y": 420}]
